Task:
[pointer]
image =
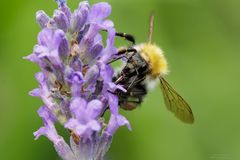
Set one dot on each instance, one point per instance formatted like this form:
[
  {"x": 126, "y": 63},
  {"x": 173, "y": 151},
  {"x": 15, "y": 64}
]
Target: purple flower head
[{"x": 75, "y": 82}]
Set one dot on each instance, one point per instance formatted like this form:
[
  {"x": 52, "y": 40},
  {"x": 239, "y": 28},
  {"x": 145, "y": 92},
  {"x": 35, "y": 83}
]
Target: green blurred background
[{"x": 201, "y": 39}]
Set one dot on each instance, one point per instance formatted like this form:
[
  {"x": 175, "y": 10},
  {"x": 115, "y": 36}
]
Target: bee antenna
[{"x": 150, "y": 31}]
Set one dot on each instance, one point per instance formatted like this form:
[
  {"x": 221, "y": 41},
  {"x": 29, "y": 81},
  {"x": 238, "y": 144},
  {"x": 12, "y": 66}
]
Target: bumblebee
[{"x": 146, "y": 63}]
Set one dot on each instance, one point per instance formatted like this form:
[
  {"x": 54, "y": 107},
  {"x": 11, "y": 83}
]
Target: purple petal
[
  {"x": 78, "y": 107},
  {"x": 45, "y": 37},
  {"x": 80, "y": 16},
  {"x": 61, "y": 20},
  {"x": 91, "y": 77},
  {"x": 46, "y": 115},
  {"x": 77, "y": 80},
  {"x": 77, "y": 21},
  {"x": 32, "y": 57},
  {"x": 75, "y": 125},
  {"x": 76, "y": 64},
  {"x": 66, "y": 10},
  {"x": 94, "y": 125},
  {"x": 64, "y": 151},
  {"x": 107, "y": 24},
  {"x": 91, "y": 33},
  {"x": 45, "y": 92},
  {"x": 110, "y": 50},
  {"x": 68, "y": 72},
  {"x": 95, "y": 48},
  {"x": 83, "y": 129},
  {"x": 88, "y": 39},
  {"x": 98, "y": 39},
  {"x": 82, "y": 150},
  {"x": 94, "y": 53},
  {"x": 64, "y": 49},
  {"x": 99, "y": 12},
  {"x": 115, "y": 122},
  {"x": 92, "y": 73},
  {"x": 94, "y": 108},
  {"x": 40, "y": 49},
  {"x": 40, "y": 77},
  {"x": 113, "y": 103},
  {"x": 110, "y": 39},
  {"x": 42, "y": 19},
  {"x": 61, "y": 2},
  {"x": 49, "y": 42},
  {"x": 48, "y": 130},
  {"x": 84, "y": 5},
  {"x": 53, "y": 56},
  {"x": 83, "y": 32},
  {"x": 35, "y": 92},
  {"x": 57, "y": 38},
  {"x": 104, "y": 145},
  {"x": 106, "y": 72},
  {"x": 50, "y": 38}
]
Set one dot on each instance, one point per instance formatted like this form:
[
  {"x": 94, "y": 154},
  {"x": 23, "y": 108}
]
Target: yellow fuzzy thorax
[{"x": 155, "y": 58}]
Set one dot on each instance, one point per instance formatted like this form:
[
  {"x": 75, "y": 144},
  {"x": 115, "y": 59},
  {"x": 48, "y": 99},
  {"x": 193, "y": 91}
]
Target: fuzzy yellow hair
[{"x": 155, "y": 58}]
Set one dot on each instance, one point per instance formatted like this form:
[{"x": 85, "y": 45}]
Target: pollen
[{"x": 155, "y": 58}]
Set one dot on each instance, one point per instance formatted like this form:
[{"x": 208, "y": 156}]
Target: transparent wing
[{"x": 175, "y": 103}]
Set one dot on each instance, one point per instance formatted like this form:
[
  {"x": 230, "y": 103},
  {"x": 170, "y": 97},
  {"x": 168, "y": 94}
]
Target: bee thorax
[{"x": 155, "y": 58}]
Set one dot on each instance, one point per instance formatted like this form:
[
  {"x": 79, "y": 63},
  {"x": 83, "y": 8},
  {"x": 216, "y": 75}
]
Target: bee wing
[{"x": 175, "y": 103}]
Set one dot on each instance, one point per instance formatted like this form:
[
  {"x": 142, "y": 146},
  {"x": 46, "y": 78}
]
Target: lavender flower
[{"x": 75, "y": 82}]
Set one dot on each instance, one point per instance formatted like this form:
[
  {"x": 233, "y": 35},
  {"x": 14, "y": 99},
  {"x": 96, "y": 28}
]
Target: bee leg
[
  {"x": 136, "y": 74},
  {"x": 135, "y": 77},
  {"x": 115, "y": 59},
  {"x": 139, "y": 94},
  {"x": 139, "y": 101},
  {"x": 128, "y": 37},
  {"x": 123, "y": 53},
  {"x": 133, "y": 104},
  {"x": 126, "y": 50},
  {"x": 119, "y": 79}
]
